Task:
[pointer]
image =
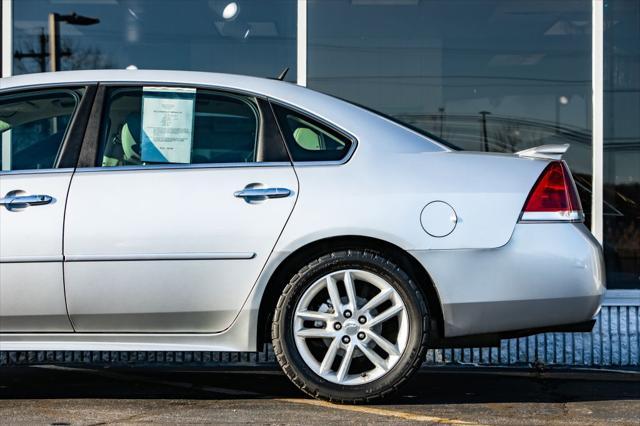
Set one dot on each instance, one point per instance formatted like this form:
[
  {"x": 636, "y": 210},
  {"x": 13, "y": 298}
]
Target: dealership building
[{"x": 486, "y": 75}]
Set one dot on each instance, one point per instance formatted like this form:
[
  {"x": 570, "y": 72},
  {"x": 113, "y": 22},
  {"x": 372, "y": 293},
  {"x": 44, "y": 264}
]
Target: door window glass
[
  {"x": 309, "y": 140},
  {"x": 32, "y": 127},
  {"x": 144, "y": 126}
]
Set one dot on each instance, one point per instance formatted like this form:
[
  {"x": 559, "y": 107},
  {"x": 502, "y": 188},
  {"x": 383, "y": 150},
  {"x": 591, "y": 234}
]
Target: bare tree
[
  {"x": 32, "y": 55},
  {"x": 82, "y": 58}
]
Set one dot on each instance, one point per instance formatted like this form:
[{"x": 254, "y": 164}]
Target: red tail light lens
[{"x": 554, "y": 197}]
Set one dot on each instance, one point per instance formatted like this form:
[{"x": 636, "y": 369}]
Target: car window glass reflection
[
  {"x": 309, "y": 140},
  {"x": 224, "y": 130},
  {"x": 33, "y": 128}
]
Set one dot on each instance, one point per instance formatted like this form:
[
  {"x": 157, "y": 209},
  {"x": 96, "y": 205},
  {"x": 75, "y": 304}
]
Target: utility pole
[
  {"x": 485, "y": 139},
  {"x": 54, "y": 53},
  {"x": 41, "y": 55},
  {"x": 441, "y": 111}
]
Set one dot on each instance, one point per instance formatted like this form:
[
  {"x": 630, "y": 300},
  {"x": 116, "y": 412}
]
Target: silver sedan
[{"x": 158, "y": 210}]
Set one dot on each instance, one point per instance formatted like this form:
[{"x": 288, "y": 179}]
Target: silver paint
[
  {"x": 31, "y": 280},
  {"x": 491, "y": 274}
]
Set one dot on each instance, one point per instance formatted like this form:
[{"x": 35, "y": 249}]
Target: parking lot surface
[{"x": 59, "y": 395}]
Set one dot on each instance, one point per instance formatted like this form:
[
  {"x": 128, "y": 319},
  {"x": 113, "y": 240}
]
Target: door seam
[{"x": 64, "y": 262}]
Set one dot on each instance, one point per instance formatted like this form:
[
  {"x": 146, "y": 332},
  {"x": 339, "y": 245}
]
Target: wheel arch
[{"x": 305, "y": 254}]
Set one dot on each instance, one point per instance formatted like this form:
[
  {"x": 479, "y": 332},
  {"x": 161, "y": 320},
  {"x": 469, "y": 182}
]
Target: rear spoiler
[{"x": 550, "y": 152}]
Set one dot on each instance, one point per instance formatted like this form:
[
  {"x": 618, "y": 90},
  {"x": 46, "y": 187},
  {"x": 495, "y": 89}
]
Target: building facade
[{"x": 487, "y": 75}]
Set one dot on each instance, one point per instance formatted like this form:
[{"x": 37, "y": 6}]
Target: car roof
[
  {"x": 352, "y": 119},
  {"x": 256, "y": 85}
]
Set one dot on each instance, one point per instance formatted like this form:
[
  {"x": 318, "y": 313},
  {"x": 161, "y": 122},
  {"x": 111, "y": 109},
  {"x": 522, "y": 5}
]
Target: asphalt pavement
[{"x": 63, "y": 395}]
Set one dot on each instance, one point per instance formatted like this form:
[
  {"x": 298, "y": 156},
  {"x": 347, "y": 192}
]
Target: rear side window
[
  {"x": 144, "y": 126},
  {"x": 310, "y": 140},
  {"x": 33, "y": 126}
]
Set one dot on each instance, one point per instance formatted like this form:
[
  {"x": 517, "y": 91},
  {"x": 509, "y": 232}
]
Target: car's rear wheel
[{"x": 351, "y": 326}]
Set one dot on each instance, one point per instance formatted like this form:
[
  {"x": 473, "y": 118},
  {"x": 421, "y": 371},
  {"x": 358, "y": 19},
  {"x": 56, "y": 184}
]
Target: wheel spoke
[
  {"x": 334, "y": 295},
  {"x": 388, "y": 313},
  {"x": 329, "y": 341},
  {"x": 329, "y": 357},
  {"x": 343, "y": 370},
  {"x": 314, "y": 316},
  {"x": 386, "y": 345},
  {"x": 373, "y": 357},
  {"x": 311, "y": 333},
  {"x": 379, "y": 298},
  {"x": 351, "y": 291}
]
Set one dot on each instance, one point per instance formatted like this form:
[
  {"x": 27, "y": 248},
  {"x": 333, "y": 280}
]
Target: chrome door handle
[
  {"x": 262, "y": 193},
  {"x": 25, "y": 200}
]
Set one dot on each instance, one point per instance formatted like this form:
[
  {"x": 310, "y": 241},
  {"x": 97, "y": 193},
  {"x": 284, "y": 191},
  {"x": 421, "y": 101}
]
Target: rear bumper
[{"x": 548, "y": 274}]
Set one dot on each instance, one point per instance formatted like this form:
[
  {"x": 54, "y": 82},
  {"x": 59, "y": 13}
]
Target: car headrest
[
  {"x": 130, "y": 137},
  {"x": 307, "y": 138}
]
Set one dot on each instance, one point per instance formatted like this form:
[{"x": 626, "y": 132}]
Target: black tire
[{"x": 302, "y": 375}]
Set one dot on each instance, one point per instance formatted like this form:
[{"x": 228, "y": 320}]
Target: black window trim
[
  {"x": 70, "y": 145},
  {"x": 341, "y": 132},
  {"x": 74, "y": 138},
  {"x": 88, "y": 160}
]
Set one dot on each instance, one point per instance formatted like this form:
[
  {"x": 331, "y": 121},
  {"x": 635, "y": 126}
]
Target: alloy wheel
[{"x": 351, "y": 327}]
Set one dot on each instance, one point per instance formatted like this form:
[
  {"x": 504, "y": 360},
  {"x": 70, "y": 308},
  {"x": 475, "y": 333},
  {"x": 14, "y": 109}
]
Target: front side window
[
  {"x": 310, "y": 140},
  {"x": 33, "y": 126},
  {"x": 170, "y": 125}
]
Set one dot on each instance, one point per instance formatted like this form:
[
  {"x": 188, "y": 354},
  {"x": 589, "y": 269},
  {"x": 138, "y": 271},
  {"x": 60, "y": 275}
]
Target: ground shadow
[{"x": 429, "y": 387}]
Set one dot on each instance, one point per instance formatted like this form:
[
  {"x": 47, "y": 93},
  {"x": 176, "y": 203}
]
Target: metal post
[
  {"x": 6, "y": 71},
  {"x": 54, "y": 42},
  {"x": 5, "y": 141},
  {"x": 301, "y": 45},
  {"x": 7, "y": 38},
  {"x": 597, "y": 84}
]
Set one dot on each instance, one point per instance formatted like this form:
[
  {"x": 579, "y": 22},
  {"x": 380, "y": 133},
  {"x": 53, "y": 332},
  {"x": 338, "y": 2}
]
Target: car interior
[
  {"x": 38, "y": 123},
  {"x": 225, "y": 129},
  {"x": 309, "y": 140}
]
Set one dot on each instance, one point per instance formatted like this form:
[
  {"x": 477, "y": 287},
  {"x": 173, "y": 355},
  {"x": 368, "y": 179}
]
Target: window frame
[
  {"x": 70, "y": 145},
  {"x": 89, "y": 161},
  {"x": 323, "y": 123}
]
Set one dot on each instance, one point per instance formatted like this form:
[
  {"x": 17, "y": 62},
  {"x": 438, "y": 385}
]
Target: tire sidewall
[{"x": 398, "y": 279}]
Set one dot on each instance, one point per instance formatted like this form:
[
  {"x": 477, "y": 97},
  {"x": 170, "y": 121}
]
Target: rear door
[
  {"x": 170, "y": 228},
  {"x": 41, "y": 131}
]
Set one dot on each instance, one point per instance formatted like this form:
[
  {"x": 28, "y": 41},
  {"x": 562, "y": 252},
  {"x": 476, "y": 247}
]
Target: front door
[
  {"x": 170, "y": 230},
  {"x": 33, "y": 192}
]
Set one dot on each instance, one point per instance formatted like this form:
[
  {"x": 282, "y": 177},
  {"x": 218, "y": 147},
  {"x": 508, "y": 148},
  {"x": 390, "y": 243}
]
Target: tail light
[{"x": 554, "y": 197}]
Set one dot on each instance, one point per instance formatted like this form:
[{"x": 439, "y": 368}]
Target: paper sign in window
[{"x": 167, "y": 124}]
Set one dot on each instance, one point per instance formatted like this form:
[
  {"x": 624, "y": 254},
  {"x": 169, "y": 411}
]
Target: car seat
[{"x": 124, "y": 148}]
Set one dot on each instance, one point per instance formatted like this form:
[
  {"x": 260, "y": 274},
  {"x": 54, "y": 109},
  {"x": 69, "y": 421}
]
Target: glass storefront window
[
  {"x": 622, "y": 143},
  {"x": 245, "y": 37},
  {"x": 491, "y": 75},
  {"x": 486, "y": 75}
]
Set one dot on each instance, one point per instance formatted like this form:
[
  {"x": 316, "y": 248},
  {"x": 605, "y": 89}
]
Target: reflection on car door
[{"x": 173, "y": 247}]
